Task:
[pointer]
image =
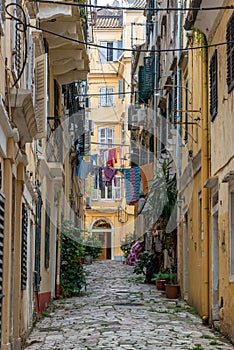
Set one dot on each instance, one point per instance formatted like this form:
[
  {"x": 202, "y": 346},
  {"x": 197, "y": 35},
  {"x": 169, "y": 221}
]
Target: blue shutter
[
  {"x": 103, "y": 52},
  {"x": 115, "y": 51},
  {"x": 110, "y": 97},
  {"x": 102, "y": 96},
  {"x": 120, "y": 48},
  {"x": 121, "y": 95}
]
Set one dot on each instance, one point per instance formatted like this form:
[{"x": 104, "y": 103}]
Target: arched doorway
[{"x": 102, "y": 229}]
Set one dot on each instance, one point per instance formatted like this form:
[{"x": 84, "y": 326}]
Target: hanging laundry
[
  {"x": 148, "y": 170},
  {"x": 79, "y": 164},
  {"x": 83, "y": 169},
  {"x": 147, "y": 174},
  {"x": 118, "y": 155},
  {"x": 144, "y": 182},
  {"x": 105, "y": 157},
  {"x": 132, "y": 185},
  {"x": 100, "y": 179},
  {"x": 93, "y": 158},
  {"x": 112, "y": 155},
  {"x": 86, "y": 158},
  {"x": 109, "y": 175}
]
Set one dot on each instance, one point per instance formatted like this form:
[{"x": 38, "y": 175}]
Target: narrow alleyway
[{"x": 118, "y": 311}]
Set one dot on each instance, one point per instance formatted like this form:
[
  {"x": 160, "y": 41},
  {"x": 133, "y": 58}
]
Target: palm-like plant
[{"x": 163, "y": 195}]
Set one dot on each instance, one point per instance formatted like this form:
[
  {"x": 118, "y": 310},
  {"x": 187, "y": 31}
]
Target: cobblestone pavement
[{"x": 119, "y": 311}]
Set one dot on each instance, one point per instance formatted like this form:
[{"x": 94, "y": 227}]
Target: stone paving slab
[{"x": 119, "y": 312}]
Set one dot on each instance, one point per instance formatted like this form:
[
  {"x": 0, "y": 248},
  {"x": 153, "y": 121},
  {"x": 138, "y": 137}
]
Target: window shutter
[
  {"x": 121, "y": 95},
  {"x": 37, "y": 273},
  {"x": 230, "y": 53},
  {"x": 2, "y": 220},
  {"x": 102, "y": 96},
  {"x": 120, "y": 48},
  {"x": 115, "y": 51},
  {"x": 149, "y": 75},
  {"x": 103, "y": 52},
  {"x": 24, "y": 247},
  {"x": 110, "y": 51},
  {"x": 110, "y": 97},
  {"x": 47, "y": 235},
  {"x": 2, "y": 13},
  {"x": 213, "y": 86},
  {"x": 41, "y": 95}
]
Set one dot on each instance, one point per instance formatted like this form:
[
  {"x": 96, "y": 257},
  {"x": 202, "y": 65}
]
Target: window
[
  {"x": 110, "y": 51},
  {"x": 213, "y": 86},
  {"x": 105, "y": 137},
  {"x": 106, "y": 97},
  {"x": 112, "y": 192},
  {"x": 232, "y": 233},
  {"x": 230, "y": 53},
  {"x": 24, "y": 247}
]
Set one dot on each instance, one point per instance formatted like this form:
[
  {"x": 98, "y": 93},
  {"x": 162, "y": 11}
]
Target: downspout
[
  {"x": 155, "y": 95},
  {"x": 205, "y": 191},
  {"x": 178, "y": 134}
]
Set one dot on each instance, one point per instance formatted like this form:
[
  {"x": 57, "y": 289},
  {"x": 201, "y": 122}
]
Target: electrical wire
[
  {"x": 20, "y": 22},
  {"x": 132, "y": 50},
  {"x": 97, "y": 7}
]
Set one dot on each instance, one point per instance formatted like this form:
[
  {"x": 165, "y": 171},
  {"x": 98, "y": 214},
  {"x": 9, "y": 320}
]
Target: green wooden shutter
[
  {"x": 47, "y": 235},
  {"x": 230, "y": 53},
  {"x": 213, "y": 86},
  {"x": 24, "y": 247},
  {"x": 2, "y": 217}
]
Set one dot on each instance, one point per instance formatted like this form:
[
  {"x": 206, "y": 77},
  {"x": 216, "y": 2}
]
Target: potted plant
[
  {"x": 172, "y": 288},
  {"x": 93, "y": 249},
  {"x": 161, "y": 279}
]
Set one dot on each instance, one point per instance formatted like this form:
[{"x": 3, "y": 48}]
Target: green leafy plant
[
  {"x": 127, "y": 243},
  {"x": 147, "y": 265},
  {"x": 71, "y": 270},
  {"x": 92, "y": 246}
]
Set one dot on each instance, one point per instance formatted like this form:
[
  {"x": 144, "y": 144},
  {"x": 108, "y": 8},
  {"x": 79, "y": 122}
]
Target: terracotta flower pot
[
  {"x": 160, "y": 284},
  {"x": 172, "y": 291}
]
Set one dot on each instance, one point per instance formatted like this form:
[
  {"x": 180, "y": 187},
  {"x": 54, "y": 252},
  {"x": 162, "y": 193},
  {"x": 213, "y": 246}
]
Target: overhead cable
[
  {"x": 132, "y": 8},
  {"x": 134, "y": 49}
]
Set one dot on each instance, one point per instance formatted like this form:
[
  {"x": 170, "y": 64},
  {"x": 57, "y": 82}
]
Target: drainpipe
[
  {"x": 205, "y": 191},
  {"x": 178, "y": 134},
  {"x": 155, "y": 95}
]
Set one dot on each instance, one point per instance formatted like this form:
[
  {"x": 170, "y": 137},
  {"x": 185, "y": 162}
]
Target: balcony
[
  {"x": 23, "y": 114},
  {"x": 68, "y": 58}
]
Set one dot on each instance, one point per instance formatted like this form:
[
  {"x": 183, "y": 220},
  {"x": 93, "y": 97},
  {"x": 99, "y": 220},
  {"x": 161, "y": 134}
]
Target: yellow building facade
[
  {"x": 34, "y": 160},
  {"x": 107, "y": 215},
  {"x": 206, "y": 240}
]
